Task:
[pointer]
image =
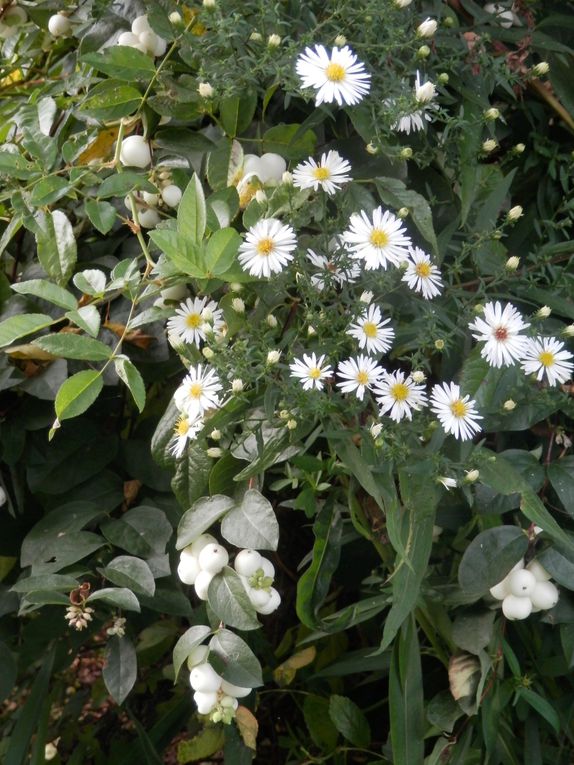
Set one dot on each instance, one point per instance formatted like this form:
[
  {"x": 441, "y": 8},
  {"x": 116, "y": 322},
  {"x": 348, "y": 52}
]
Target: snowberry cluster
[
  {"x": 525, "y": 590},
  {"x": 267, "y": 170},
  {"x": 59, "y": 25},
  {"x": 143, "y": 38},
  {"x": 205, "y": 557},
  {"x": 213, "y": 695}
]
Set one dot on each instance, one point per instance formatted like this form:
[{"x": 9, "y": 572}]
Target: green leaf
[
  {"x": 120, "y": 671},
  {"x": 24, "y": 324},
  {"x": 191, "y": 479},
  {"x": 561, "y": 476},
  {"x": 233, "y": 660},
  {"x": 191, "y": 213},
  {"x": 221, "y": 252},
  {"x": 223, "y": 162},
  {"x": 229, "y": 601},
  {"x": 350, "y": 721},
  {"x": 321, "y": 729},
  {"x": 185, "y": 256},
  {"x": 190, "y": 639},
  {"x": 288, "y": 141},
  {"x": 78, "y": 393},
  {"x": 122, "y": 63},
  {"x": 48, "y": 190},
  {"x": 252, "y": 524},
  {"x": 59, "y": 552},
  {"x": 561, "y": 569},
  {"x": 542, "y": 706},
  {"x": 57, "y": 250},
  {"x": 87, "y": 318},
  {"x": 45, "y": 582},
  {"x": 489, "y": 558},
  {"x": 133, "y": 573},
  {"x": 406, "y": 699},
  {"x": 118, "y": 597},
  {"x": 110, "y": 100},
  {"x": 46, "y": 291},
  {"x": 207, "y": 742},
  {"x": 394, "y": 192},
  {"x": 236, "y": 113},
  {"x": 130, "y": 375},
  {"x": 71, "y": 346},
  {"x": 102, "y": 215},
  {"x": 120, "y": 184},
  {"x": 16, "y": 166},
  {"x": 8, "y": 671},
  {"x": 203, "y": 514}
]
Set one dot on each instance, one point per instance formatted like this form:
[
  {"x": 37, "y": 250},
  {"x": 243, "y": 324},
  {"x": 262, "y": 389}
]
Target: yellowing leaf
[
  {"x": 285, "y": 673},
  {"x": 101, "y": 147},
  {"x": 248, "y": 726}
]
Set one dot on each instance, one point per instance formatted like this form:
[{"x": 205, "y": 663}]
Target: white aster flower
[
  {"x": 185, "y": 430},
  {"x": 422, "y": 275},
  {"x": 332, "y": 268},
  {"x": 398, "y": 395},
  {"x": 500, "y": 331},
  {"x": 193, "y": 318},
  {"x": 544, "y": 356},
  {"x": 198, "y": 391},
  {"x": 379, "y": 241},
  {"x": 359, "y": 374},
  {"x": 329, "y": 174},
  {"x": 311, "y": 370},
  {"x": 457, "y": 414},
  {"x": 267, "y": 248},
  {"x": 414, "y": 119},
  {"x": 337, "y": 76},
  {"x": 371, "y": 331}
]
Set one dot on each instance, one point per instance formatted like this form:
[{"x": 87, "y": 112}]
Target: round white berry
[
  {"x": 268, "y": 568},
  {"x": 234, "y": 690},
  {"x": 148, "y": 40},
  {"x": 500, "y": 590},
  {"x": 198, "y": 656},
  {"x": 272, "y": 604},
  {"x": 171, "y": 195},
  {"x": 135, "y": 151},
  {"x": 128, "y": 39},
  {"x": 545, "y": 595},
  {"x": 148, "y": 218},
  {"x": 516, "y": 608},
  {"x": 228, "y": 702},
  {"x": 258, "y": 598},
  {"x": 188, "y": 569},
  {"x": 521, "y": 583},
  {"x": 247, "y": 562},
  {"x": 204, "y": 678},
  {"x": 150, "y": 199},
  {"x": 538, "y": 570},
  {"x": 202, "y": 541},
  {"x": 160, "y": 46},
  {"x": 213, "y": 558},
  {"x": 201, "y": 584},
  {"x": 59, "y": 25},
  {"x": 140, "y": 25},
  {"x": 206, "y": 702},
  {"x": 271, "y": 167}
]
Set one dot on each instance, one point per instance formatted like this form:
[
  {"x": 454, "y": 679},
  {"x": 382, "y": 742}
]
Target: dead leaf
[
  {"x": 461, "y": 671},
  {"x": 248, "y": 727},
  {"x": 285, "y": 673}
]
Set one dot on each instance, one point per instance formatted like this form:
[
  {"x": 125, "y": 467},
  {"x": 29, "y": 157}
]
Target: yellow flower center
[
  {"x": 193, "y": 321},
  {"x": 195, "y": 390},
  {"x": 423, "y": 269},
  {"x": 458, "y": 408},
  {"x": 362, "y": 378},
  {"x": 335, "y": 72},
  {"x": 546, "y": 358},
  {"x": 400, "y": 392},
  {"x": 265, "y": 247},
  {"x": 379, "y": 238},
  {"x": 321, "y": 173},
  {"x": 182, "y": 427},
  {"x": 315, "y": 373},
  {"x": 370, "y": 329}
]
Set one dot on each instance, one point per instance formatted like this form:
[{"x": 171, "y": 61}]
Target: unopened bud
[
  {"x": 371, "y": 148},
  {"x": 255, "y": 37},
  {"x": 287, "y": 178},
  {"x": 519, "y": 148},
  {"x": 406, "y": 152},
  {"x": 238, "y": 305},
  {"x": 273, "y": 357},
  {"x": 509, "y": 405},
  {"x": 260, "y": 196},
  {"x": 512, "y": 263},
  {"x": 491, "y": 114},
  {"x": 478, "y": 308},
  {"x": 366, "y": 297},
  {"x": 271, "y": 321},
  {"x": 419, "y": 376},
  {"x": 235, "y": 287},
  {"x": 273, "y": 41},
  {"x": 402, "y": 3},
  {"x": 568, "y": 331},
  {"x": 175, "y": 18},
  {"x": 443, "y": 78},
  {"x": 237, "y": 385},
  {"x": 205, "y": 90},
  {"x": 489, "y": 145},
  {"x": 311, "y": 331},
  {"x": 544, "y": 312},
  {"x": 514, "y": 213},
  {"x": 439, "y": 344},
  {"x": 541, "y": 69},
  {"x": 208, "y": 353},
  {"x": 214, "y": 451},
  {"x": 209, "y": 4},
  {"x": 471, "y": 476},
  {"x": 291, "y": 424},
  {"x": 215, "y": 435},
  {"x": 403, "y": 212},
  {"x": 425, "y": 93},
  {"x": 427, "y": 28},
  {"x": 423, "y": 52},
  {"x": 340, "y": 40},
  {"x": 375, "y": 429}
]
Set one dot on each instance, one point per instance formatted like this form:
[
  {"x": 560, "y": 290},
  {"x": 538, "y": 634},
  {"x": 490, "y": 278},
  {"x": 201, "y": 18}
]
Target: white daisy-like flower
[
  {"x": 500, "y": 331},
  {"x": 267, "y": 248},
  {"x": 337, "y": 76},
  {"x": 377, "y": 241},
  {"x": 332, "y": 269},
  {"x": 398, "y": 395},
  {"x": 544, "y": 356},
  {"x": 198, "y": 392},
  {"x": 457, "y": 414},
  {"x": 329, "y": 174},
  {"x": 185, "y": 430},
  {"x": 193, "y": 318},
  {"x": 371, "y": 331},
  {"x": 359, "y": 374},
  {"x": 311, "y": 371},
  {"x": 422, "y": 275},
  {"x": 414, "y": 120}
]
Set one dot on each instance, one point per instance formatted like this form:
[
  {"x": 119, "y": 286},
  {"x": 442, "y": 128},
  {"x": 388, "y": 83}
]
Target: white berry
[
  {"x": 59, "y": 25},
  {"x": 148, "y": 218},
  {"x": 538, "y": 570},
  {"x": 247, "y": 562},
  {"x": 258, "y": 598},
  {"x": 213, "y": 558},
  {"x": 150, "y": 199},
  {"x": 171, "y": 195},
  {"x": 271, "y": 167},
  {"x": 268, "y": 568},
  {"x": 202, "y": 541},
  {"x": 206, "y": 702},
  {"x": 234, "y": 690},
  {"x": 204, "y": 678},
  {"x": 202, "y": 583},
  {"x": 516, "y": 608},
  {"x": 229, "y": 701},
  {"x": 521, "y": 583},
  {"x": 128, "y": 39},
  {"x": 135, "y": 151},
  {"x": 272, "y": 604},
  {"x": 140, "y": 25},
  {"x": 545, "y": 595},
  {"x": 160, "y": 46},
  {"x": 197, "y": 656},
  {"x": 148, "y": 39},
  {"x": 500, "y": 590},
  {"x": 188, "y": 569}
]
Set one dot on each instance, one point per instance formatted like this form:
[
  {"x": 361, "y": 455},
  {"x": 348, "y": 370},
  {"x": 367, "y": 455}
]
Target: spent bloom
[
  {"x": 268, "y": 247},
  {"x": 311, "y": 370},
  {"x": 359, "y": 374},
  {"x": 193, "y": 318},
  {"x": 332, "y": 269},
  {"x": 414, "y": 120},
  {"x": 371, "y": 331},
  {"x": 398, "y": 395},
  {"x": 457, "y": 414},
  {"x": 328, "y": 174},
  {"x": 336, "y": 76},
  {"x": 500, "y": 330},
  {"x": 422, "y": 275},
  {"x": 545, "y": 357},
  {"x": 185, "y": 430},
  {"x": 378, "y": 241},
  {"x": 198, "y": 392}
]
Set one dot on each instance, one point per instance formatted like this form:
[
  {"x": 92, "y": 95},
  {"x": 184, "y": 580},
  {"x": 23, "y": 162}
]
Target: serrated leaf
[
  {"x": 190, "y": 639},
  {"x": 46, "y": 291},
  {"x": 71, "y": 346},
  {"x": 130, "y": 375},
  {"x": 233, "y": 660},
  {"x": 229, "y": 601},
  {"x": 78, "y": 393},
  {"x": 252, "y": 524},
  {"x": 203, "y": 514},
  {"x": 120, "y": 670}
]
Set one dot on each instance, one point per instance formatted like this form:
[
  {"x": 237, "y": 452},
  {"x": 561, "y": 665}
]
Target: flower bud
[
  {"x": 544, "y": 312},
  {"x": 403, "y": 213},
  {"x": 284, "y": 414},
  {"x": 478, "y": 308},
  {"x": 371, "y": 148},
  {"x": 237, "y": 385},
  {"x": 215, "y": 435},
  {"x": 375, "y": 429},
  {"x": 235, "y": 287},
  {"x": 274, "y": 41},
  {"x": 471, "y": 475},
  {"x": 271, "y": 321},
  {"x": 489, "y": 145},
  {"x": 514, "y": 213},
  {"x": 255, "y": 37},
  {"x": 443, "y": 78},
  {"x": 273, "y": 357},
  {"x": 491, "y": 114},
  {"x": 425, "y": 93},
  {"x": 311, "y": 331},
  {"x": 402, "y": 3},
  {"x": 366, "y": 297},
  {"x": 205, "y": 90},
  {"x": 291, "y": 424},
  {"x": 287, "y": 178},
  {"x": 215, "y": 452},
  {"x": 519, "y": 148},
  {"x": 340, "y": 40},
  {"x": 568, "y": 331},
  {"x": 406, "y": 153},
  {"x": 541, "y": 69},
  {"x": 238, "y": 305},
  {"x": 427, "y": 28},
  {"x": 209, "y": 4},
  {"x": 439, "y": 344},
  {"x": 175, "y": 18},
  {"x": 423, "y": 52},
  {"x": 419, "y": 376},
  {"x": 512, "y": 263},
  {"x": 208, "y": 353},
  {"x": 509, "y": 405},
  {"x": 260, "y": 196}
]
